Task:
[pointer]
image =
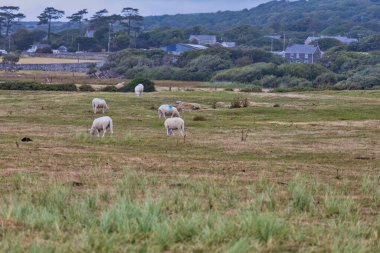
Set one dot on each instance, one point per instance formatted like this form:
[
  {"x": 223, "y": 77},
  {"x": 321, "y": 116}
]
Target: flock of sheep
[{"x": 105, "y": 123}]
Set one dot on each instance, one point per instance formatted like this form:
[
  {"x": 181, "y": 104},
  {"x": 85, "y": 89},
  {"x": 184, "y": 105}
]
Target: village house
[
  {"x": 339, "y": 38},
  {"x": 177, "y": 49},
  {"x": 302, "y": 53},
  {"x": 35, "y": 47},
  {"x": 203, "y": 39}
]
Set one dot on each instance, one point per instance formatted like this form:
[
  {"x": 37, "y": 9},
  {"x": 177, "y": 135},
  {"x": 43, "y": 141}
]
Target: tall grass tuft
[
  {"x": 240, "y": 246},
  {"x": 371, "y": 185},
  {"x": 186, "y": 228},
  {"x": 338, "y": 206},
  {"x": 301, "y": 192},
  {"x": 265, "y": 226}
]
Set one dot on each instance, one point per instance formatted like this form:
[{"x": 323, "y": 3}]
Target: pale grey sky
[{"x": 32, "y": 8}]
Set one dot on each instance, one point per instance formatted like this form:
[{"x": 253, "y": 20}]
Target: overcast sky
[{"x": 32, "y": 8}]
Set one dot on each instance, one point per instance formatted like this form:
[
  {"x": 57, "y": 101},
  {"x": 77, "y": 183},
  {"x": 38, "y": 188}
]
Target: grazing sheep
[
  {"x": 139, "y": 89},
  {"x": 170, "y": 110},
  {"x": 101, "y": 124},
  {"x": 175, "y": 123},
  {"x": 99, "y": 103}
]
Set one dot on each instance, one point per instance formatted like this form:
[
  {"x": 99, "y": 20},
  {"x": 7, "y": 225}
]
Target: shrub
[
  {"x": 252, "y": 88},
  {"x": 109, "y": 88},
  {"x": 247, "y": 74},
  {"x": 148, "y": 85},
  {"x": 300, "y": 70},
  {"x": 44, "y": 50},
  {"x": 239, "y": 102},
  {"x": 86, "y": 87},
  {"x": 325, "y": 80},
  {"x": 29, "y": 85}
]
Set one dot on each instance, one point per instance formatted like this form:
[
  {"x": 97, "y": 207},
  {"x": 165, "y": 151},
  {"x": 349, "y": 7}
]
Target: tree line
[{"x": 128, "y": 22}]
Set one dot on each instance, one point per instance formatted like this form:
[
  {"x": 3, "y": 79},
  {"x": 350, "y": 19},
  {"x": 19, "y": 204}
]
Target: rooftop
[{"x": 300, "y": 48}]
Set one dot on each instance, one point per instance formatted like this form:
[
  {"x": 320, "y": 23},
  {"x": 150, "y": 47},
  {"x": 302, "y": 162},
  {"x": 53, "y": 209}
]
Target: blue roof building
[{"x": 177, "y": 49}]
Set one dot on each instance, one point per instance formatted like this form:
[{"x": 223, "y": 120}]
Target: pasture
[{"x": 306, "y": 178}]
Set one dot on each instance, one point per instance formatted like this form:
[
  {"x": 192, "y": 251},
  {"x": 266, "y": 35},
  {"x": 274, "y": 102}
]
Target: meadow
[{"x": 292, "y": 172}]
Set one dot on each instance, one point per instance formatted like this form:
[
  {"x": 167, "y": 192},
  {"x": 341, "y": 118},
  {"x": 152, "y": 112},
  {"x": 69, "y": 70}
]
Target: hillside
[{"x": 327, "y": 16}]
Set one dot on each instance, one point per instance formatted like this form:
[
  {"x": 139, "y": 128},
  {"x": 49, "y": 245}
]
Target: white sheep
[
  {"x": 99, "y": 103},
  {"x": 170, "y": 110},
  {"x": 175, "y": 123},
  {"x": 139, "y": 89},
  {"x": 101, "y": 124}
]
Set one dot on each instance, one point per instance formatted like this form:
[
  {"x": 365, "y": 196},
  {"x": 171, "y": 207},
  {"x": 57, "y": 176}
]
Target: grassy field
[{"x": 305, "y": 180}]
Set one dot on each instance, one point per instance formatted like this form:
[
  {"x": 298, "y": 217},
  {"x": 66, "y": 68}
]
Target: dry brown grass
[{"x": 50, "y": 60}]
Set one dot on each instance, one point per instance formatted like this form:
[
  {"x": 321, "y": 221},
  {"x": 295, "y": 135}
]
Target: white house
[{"x": 35, "y": 47}]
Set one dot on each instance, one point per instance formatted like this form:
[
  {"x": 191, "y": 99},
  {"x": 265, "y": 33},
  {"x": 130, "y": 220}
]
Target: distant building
[
  {"x": 89, "y": 34},
  {"x": 303, "y": 53},
  {"x": 228, "y": 44},
  {"x": 273, "y": 36},
  {"x": 62, "y": 49},
  {"x": 177, "y": 49},
  {"x": 203, "y": 39},
  {"x": 35, "y": 47},
  {"x": 339, "y": 38}
]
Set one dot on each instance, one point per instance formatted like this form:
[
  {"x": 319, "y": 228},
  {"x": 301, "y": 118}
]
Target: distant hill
[{"x": 326, "y": 16}]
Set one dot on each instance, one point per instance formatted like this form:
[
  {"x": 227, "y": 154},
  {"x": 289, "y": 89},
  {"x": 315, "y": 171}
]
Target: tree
[
  {"x": 132, "y": 20},
  {"x": 47, "y": 16},
  {"x": 8, "y": 17},
  {"x": 99, "y": 18},
  {"x": 22, "y": 39},
  {"x": 78, "y": 17},
  {"x": 327, "y": 43},
  {"x": 9, "y": 61}
]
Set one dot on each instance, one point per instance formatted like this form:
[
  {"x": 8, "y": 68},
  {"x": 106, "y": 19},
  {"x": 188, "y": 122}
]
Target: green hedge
[
  {"x": 28, "y": 85},
  {"x": 86, "y": 87},
  {"x": 130, "y": 87}
]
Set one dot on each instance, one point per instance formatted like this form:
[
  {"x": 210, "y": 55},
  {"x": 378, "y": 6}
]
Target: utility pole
[
  {"x": 283, "y": 49},
  {"x": 109, "y": 37}
]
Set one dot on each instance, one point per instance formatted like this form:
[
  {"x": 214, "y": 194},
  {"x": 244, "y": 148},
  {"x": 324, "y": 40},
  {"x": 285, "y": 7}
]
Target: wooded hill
[{"x": 355, "y": 17}]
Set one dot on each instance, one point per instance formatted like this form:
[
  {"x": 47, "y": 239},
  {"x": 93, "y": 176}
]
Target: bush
[
  {"x": 109, "y": 88},
  {"x": 44, "y": 50},
  {"x": 86, "y": 87},
  {"x": 300, "y": 70},
  {"x": 239, "y": 102},
  {"x": 28, "y": 85},
  {"x": 148, "y": 85},
  {"x": 247, "y": 74},
  {"x": 252, "y": 88}
]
